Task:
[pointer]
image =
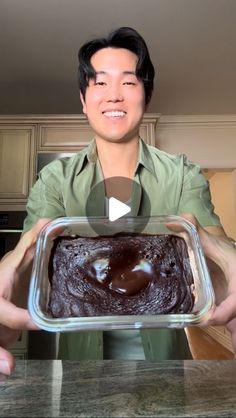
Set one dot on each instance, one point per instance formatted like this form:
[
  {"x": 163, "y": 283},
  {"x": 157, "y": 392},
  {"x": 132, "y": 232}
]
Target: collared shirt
[{"x": 172, "y": 183}]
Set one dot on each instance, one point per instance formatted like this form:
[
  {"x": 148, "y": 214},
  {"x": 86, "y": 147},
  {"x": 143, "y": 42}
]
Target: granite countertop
[{"x": 119, "y": 389}]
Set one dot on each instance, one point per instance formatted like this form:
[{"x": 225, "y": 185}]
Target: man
[{"x": 116, "y": 82}]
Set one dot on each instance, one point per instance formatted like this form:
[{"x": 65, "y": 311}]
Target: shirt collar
[
  {"x": 145, "y": 158},
  {"x": 90, "y": 154}
]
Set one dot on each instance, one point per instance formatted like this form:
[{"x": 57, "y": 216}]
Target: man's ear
[{"x": 83, "y": 103}]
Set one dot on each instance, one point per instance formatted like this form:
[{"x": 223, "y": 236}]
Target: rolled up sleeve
[
  {"x": 45, "y": 199},
  {"x": 196, "y": 196}
]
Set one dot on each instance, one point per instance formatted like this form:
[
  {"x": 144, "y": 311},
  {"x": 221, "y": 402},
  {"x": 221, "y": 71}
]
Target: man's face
[{"x": 115, "y": 100}]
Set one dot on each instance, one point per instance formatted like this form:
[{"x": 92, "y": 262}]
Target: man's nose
[{"x": 114, "y": 94}]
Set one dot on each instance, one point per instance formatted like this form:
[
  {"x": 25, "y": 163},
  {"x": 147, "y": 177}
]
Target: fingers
[
  {"x": 220, "y": 251},
  {"x": 225, "y": 312},
  {"x": 14, "y": 317},
  {"x": 206, "y": 239},
  {"x": 190, "y": 218},
  {"x": 30, "y": 237},
  {"x": 8, "y": 336},
  {"x": 25, "y": 244},
  {"x": 231, "y": 326},
  {"x": 19, "y": 260},
  {"x": 177, "y": 227},
  {"x": 216, "y": 247},
  {"x": 7, "y": 362}
]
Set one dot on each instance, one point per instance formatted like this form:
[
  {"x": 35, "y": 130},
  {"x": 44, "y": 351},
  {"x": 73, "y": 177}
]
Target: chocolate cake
[{"x": 120, "y": 275}]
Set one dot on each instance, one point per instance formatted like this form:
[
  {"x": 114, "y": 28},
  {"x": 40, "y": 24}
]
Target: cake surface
[{"x": 120, "y": 275}]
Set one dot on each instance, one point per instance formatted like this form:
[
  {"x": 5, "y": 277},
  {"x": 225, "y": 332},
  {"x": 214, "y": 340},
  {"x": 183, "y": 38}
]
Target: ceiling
[{"x": 192, "y": 44}]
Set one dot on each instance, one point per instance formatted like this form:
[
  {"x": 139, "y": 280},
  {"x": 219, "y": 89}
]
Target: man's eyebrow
[
  {"x": 123, "y": 72},
  {"x": 129, "y": 72}
]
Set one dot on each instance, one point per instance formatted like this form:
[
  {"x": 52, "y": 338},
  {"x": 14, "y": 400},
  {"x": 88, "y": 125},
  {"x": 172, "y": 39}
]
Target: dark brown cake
[{"x": 120, "y": 275}]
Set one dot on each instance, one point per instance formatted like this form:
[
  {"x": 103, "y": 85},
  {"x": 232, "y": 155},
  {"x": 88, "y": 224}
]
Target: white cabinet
[
  {"x": 74, "y": 133},
  {"x": 19, "y": 349},
  {"x": 22, "y": 137},
  {"x": 17, "y": 150}
]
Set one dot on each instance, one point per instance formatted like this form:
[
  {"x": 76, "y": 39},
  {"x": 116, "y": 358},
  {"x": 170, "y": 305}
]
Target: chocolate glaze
[{"x": 120, "y": 275}]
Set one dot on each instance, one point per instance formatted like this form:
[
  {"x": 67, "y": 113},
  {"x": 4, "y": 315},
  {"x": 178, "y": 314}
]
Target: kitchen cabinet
[
  {"x": 17, "y": 152},
  {"x": 221, "y": 335},
  {"x": 23, "y": 137},
  {"x": 64, "y": 135},
  {"x": 19, "y": 349},
  {"x": 73, "y": 134}
]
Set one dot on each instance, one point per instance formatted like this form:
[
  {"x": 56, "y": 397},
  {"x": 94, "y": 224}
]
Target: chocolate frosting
[{"x": 120, "y": 275}]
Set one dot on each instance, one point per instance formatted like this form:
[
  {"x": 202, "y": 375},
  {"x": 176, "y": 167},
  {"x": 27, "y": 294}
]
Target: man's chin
[{"x": 118, "y": 139}]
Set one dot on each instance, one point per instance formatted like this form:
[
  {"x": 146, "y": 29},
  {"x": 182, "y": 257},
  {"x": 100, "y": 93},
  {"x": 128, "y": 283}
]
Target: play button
[
  {"x": 117, "y": 209},
  {"x": 117, "y": 204}
]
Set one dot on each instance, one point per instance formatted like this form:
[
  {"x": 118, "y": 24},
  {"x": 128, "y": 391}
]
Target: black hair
[{"x": 123, "y": 37}]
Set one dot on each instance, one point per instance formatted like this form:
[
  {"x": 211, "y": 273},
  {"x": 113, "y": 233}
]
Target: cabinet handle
[{"x": 11, "y": 231}]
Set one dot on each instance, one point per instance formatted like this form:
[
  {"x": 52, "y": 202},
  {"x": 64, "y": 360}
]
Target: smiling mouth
[{"x": 114, "y": 113}]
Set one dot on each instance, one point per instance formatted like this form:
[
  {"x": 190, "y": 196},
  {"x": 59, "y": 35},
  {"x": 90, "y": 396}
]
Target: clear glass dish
[{"x": 77, "y": 226}]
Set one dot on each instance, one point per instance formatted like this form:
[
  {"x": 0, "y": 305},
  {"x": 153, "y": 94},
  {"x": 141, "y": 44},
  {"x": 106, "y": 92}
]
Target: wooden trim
[
  {"x": 57, "y": 118},
  {"x": 221, "y": 335},
  {"x": 198, "y": 119}
]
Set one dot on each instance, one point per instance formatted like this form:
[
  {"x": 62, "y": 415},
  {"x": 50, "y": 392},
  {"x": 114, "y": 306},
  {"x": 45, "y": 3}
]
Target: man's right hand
[{"x": 15, "y": 269}]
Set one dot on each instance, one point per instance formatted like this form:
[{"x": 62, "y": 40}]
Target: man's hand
[
  {"x": 15, "y": 269},
  {"x": 222, "y": 267}
]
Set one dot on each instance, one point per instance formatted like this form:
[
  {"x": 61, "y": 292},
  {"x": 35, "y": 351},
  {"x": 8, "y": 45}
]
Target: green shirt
[{"x": 173, "y": 184}]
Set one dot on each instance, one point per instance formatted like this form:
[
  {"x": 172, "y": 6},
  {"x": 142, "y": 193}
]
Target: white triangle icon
[{"x": 117, "y": 209}]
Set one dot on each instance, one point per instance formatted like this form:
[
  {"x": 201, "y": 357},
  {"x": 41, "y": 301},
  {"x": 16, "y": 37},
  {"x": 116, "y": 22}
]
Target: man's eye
[
  {"x": 100, "y": 83},
  {"x": 129, "y": 83}
]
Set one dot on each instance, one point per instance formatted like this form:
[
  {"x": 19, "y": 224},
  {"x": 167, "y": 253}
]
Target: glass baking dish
[{"x": 40, "y": 286}]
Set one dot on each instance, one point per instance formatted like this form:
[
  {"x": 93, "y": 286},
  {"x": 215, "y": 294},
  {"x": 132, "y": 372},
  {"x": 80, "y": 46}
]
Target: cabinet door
[
  {"x": 16, "y": 165},
  {"x": 19, "y": 349},
  {"x": 64, "y": 135},
  {"x": 73, "y": 134}
]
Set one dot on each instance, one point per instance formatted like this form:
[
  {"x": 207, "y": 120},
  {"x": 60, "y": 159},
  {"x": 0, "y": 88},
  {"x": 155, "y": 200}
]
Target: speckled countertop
[{"x": 119, "y": 389}]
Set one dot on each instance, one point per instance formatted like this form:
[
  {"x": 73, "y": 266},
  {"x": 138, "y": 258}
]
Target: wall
[
  {"x": 222, "y": 185},
  {"x": 208, "y": 140},
  {"x": 211, "y": 142}
]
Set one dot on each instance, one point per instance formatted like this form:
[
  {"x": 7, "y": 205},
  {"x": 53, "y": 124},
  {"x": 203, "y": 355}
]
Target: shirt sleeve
[
  {"x": 196, "y": 196},
  {"x": 45, "y": 199}
]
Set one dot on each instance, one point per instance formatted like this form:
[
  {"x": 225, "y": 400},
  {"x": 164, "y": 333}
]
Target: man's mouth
[{"x": 114, "y": 113}]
